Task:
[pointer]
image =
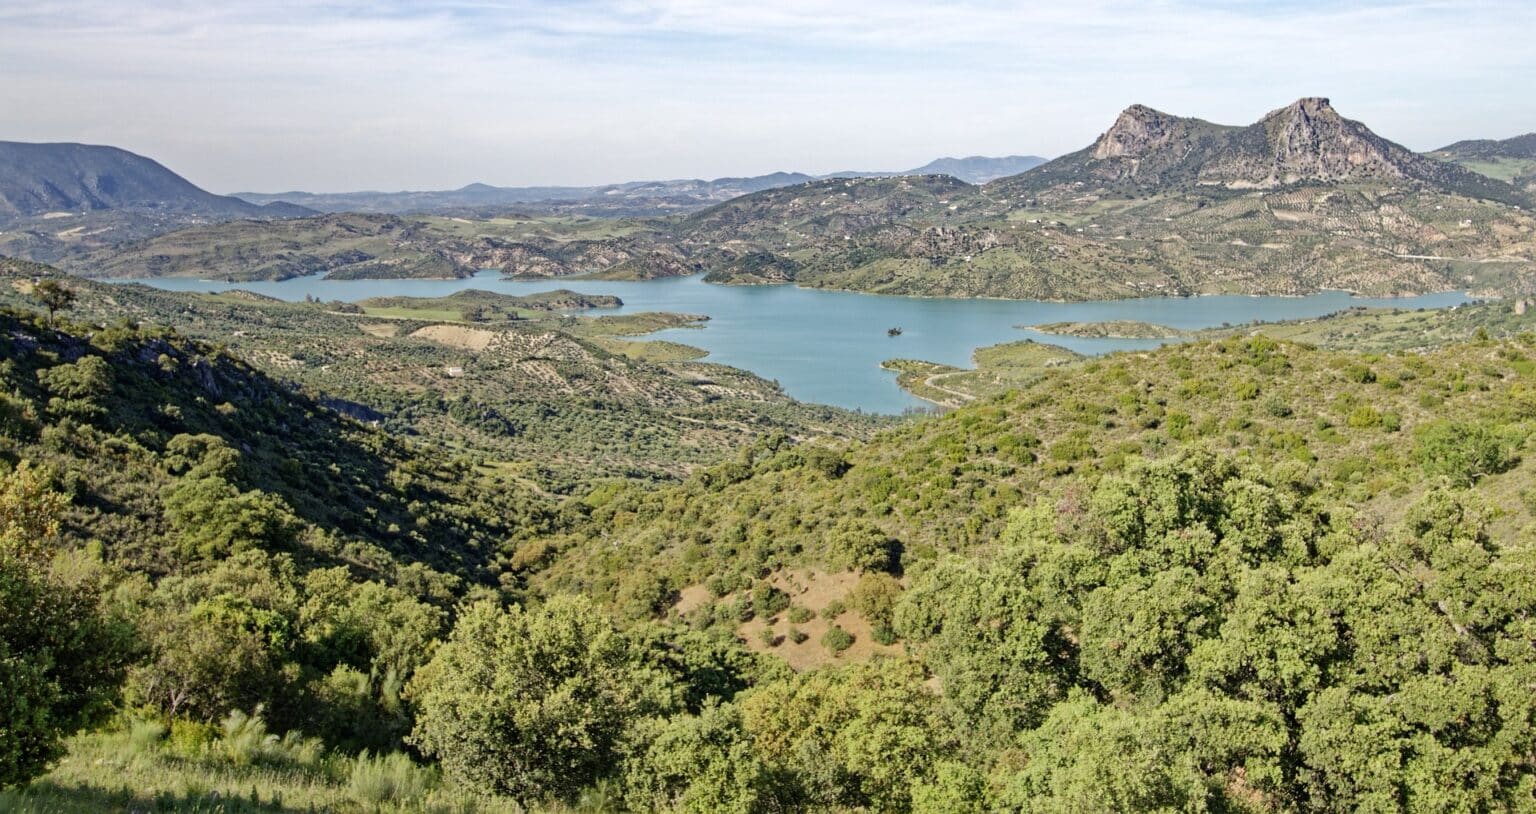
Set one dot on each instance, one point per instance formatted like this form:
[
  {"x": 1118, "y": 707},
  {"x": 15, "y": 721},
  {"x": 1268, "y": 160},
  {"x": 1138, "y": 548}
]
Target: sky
[{"x": 340, "y": 95}]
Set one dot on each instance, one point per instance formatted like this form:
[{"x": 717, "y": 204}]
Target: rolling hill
[
  {"x": 1511, "y": 159},
  {"x": 377, "y": 246},
  {"x": 631, "y": 198},
  {"x": 37, "y": 179}
]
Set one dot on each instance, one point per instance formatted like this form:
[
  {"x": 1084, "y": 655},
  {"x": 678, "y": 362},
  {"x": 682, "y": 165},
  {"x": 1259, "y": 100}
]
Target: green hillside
[
  {"x": 1512, "y": 160},
  {"x": 1233, "y": 574},
  {"x": 550, "y": 398}
]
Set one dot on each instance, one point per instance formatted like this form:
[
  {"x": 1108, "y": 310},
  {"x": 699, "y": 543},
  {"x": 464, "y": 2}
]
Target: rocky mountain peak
[
  {"x": 1309, "y": 107},
  {"x": 1309, "y": 140},
  {"x": 1305, "y": 142},
  {"x": 1138, "y": 130}
]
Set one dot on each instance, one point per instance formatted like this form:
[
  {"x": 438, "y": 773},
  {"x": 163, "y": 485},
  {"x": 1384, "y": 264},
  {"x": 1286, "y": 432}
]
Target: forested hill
[
  {"x": 1232, "y": 575},
  {"x": 1238, "y": 575},
  {"x": 176, "y": 452}
]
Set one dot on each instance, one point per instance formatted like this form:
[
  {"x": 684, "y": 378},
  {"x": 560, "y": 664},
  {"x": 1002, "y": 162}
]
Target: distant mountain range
[
  {"x": 632, "y": 198},
  {"x": 1302, "y": 200},
  {"x": 39, "y": 179}
]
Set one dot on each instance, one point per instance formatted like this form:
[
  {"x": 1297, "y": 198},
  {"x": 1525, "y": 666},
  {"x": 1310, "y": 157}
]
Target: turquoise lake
[{"x": 827, "y": 346}]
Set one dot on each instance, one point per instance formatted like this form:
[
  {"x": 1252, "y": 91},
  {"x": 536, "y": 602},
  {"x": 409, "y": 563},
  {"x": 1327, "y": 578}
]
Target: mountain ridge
[
  {"x": 1307, "y": 141},
  {"x": 1522, "y": 146},
  {"x": 1511, "y": 159},
  {"x": 38, "y": 178},
  {"x": 674, "y": 194}
]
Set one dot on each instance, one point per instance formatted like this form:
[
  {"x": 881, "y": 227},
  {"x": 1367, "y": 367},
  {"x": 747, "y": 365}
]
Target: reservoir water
[{"x": 827, "y": 346}]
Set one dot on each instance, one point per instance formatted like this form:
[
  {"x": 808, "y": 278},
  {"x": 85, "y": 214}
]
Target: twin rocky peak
[{"x": 1305, "y": 141}]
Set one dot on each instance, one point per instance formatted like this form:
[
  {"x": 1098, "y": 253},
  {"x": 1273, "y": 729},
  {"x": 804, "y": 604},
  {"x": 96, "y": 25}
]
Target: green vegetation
[
  {"x": 998, "y": 368},
  {"x": 54, "y": 296},
  {"x": 1512, "y": 160},
  {"x": 63, "y": 653},
  {"x": 1395, "y": 329},
  {"x": 562, "y": 675},
  {"x": 550, "y": 400},
  {"x": 1231, "y": 574}
]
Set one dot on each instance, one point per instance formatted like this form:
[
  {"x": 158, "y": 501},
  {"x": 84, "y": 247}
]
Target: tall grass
[
  {"x": 237, "y": 767},
  {"x": 391, "y": 778}
]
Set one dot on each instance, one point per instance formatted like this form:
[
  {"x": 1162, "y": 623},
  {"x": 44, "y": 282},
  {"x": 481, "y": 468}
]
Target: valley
[
  {"x": 828, "y": 346},
  {"x": 1188, "y": 471}
]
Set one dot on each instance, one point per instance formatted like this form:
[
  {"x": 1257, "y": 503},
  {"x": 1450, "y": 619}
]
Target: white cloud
[{"x": 333, "y": 94}]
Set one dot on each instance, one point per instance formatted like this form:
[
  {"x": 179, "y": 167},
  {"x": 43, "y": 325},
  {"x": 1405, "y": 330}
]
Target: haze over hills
[
  {"x": 632, "y": 198},
  {"x": 37, "y": 179},
  {"x": 1516, "y": 147},
  {"x": 58, "y": 198}
]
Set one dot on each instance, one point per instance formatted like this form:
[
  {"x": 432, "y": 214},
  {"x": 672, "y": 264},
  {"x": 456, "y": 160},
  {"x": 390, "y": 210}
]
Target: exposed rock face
[
  {"x": 1307, "y": 140},
  {"x": 1137, "y": 131}
]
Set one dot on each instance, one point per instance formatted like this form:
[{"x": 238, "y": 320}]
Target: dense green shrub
[
  {"x": 61, "y": 653},
  {"x": 702, "y": 764},
  {"x": 836, "y": 640},
  {"x": 532, "y": 702},
  {"x": 1461, "y": 451}
]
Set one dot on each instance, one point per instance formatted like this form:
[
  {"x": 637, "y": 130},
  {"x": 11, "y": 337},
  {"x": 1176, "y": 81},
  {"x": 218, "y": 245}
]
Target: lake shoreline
[{"x": 826, "y": 345}]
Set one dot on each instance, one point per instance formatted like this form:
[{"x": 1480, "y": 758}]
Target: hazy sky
[{"x": 330, "y": 95}]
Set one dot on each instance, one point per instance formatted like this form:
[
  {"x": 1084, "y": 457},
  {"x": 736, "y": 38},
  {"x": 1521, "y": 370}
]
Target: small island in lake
[{"x": 1115, "y": 329}]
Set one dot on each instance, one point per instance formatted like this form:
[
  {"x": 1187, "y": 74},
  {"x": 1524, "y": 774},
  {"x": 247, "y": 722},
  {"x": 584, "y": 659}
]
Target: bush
[
  {"x": 1463, "y": 452},
  {"x": 875, "y": 597},
  {"x": 702, "y": 763},
  {"x": 1072, "y": 448},
  {"x": 531, "y": 703},
  {"x": 836, "y": 640},
  {"x": 767, "y": 600},
  {"x": 1360, "y": 374},
  {"x": 191, "y": 738},
  {"x": 61, "y": 657},
  {"x": 800, "y": 614},
  {"x": 1364, "y": 417},
  {"x": 244, "y": 737},
  {"x": 859, "y": 545},
  {"x": 146, "y": 735}
]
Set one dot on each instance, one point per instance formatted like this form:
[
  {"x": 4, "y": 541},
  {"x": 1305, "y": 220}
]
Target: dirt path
[
  {"x": 932, "y": 381},
  {"x": 1438, "y": 257}
]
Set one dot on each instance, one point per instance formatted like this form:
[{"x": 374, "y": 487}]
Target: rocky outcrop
[
  {"x": 1305, "y": 142},
  {"x": 1308, "y": 141},
  {"x": 1138, "y": 131}
]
